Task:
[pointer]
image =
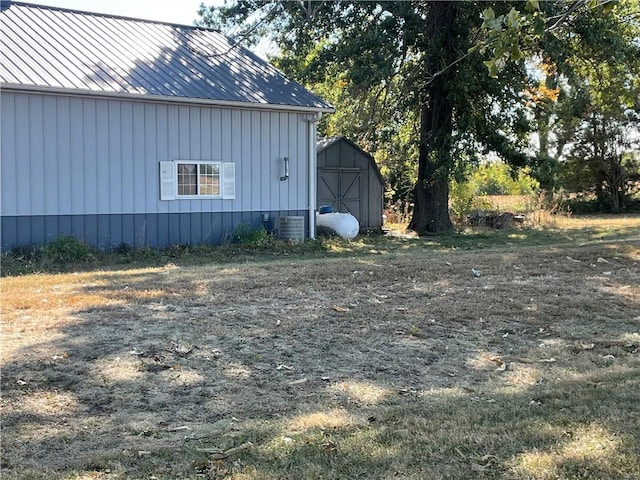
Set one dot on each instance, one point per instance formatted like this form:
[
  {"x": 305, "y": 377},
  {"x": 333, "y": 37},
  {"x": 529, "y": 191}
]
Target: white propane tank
[{"x": 342, "y": 224}]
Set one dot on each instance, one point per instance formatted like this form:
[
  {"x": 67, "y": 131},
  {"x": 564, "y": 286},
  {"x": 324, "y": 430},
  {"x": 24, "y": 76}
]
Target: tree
[
  {"x": 586, "y": 97},
  {"x": 440, "y": 80},
  {"x": 603, "y": 79}
]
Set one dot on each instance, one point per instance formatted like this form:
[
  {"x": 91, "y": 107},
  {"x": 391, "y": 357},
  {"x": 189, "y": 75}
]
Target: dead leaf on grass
[
  {"x": 217, "y": 454},
  {"x": 407, "y": 391},
  {"x": 299, "y": 382},
  {"x": 602, "y": 260},
  {"x": 340, "y": 309},
  {"x": 580, "y": 347},
  {"x": 182, "y": 349},
  {"x": 330, "y": 448},
  {"x": 177, "y": 429},
  {"x": 284, "y": 367},
  {"x": 477, "y": 468},
  {"x": 501, "y": 368},
  {"x": 573, "y": 260}
]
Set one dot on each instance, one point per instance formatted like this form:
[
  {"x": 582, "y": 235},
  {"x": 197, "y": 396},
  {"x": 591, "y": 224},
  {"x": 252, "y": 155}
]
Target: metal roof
[
  {"x": 326, "y": 142},
  {"x": 55, "y": 49}
]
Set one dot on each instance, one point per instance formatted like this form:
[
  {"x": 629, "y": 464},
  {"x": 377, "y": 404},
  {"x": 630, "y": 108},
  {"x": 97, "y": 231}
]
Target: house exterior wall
[{"x": 90, "y": 167}]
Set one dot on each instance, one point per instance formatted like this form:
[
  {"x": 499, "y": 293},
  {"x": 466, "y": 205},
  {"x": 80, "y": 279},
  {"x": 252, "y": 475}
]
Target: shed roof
[
  {"x": 60, "y": 50},
  {"x": 326, "y": 142}
]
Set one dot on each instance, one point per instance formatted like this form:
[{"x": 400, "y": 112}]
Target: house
[
  {"x": 349, "y": 181},
  {"x": 125, "y": 131}
]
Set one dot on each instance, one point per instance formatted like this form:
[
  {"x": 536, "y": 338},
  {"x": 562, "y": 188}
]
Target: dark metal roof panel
[{"x": 56, "y": 48}]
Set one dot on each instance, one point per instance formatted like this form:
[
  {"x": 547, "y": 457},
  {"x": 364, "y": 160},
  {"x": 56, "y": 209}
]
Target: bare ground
[{"x": 386, "y": 365}]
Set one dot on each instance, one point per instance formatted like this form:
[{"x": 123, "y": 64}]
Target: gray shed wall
[{"x": 338, "y": 166}]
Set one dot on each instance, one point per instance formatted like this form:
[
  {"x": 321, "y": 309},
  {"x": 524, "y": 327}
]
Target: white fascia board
[{"x": 163, "y": 99}]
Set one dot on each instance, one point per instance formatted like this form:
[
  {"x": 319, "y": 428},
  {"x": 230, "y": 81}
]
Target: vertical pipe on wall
[{"x": 312, "y": 119}]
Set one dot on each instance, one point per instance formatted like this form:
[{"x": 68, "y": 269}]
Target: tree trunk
[{"x": 431, "y": 192}]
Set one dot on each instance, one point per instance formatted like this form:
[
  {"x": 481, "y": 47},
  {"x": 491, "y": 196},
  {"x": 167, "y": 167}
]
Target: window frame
[{"x": 198, "y": 163}]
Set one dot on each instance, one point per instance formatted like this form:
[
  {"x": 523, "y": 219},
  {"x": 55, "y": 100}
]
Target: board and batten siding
[{"x": 68, "y": 157}]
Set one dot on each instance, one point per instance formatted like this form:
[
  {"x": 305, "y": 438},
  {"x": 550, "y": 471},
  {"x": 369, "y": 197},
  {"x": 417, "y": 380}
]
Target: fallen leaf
[
  {"x": 182, "y": 349},
  {"x": 330, "y": 448},
  {"x": 299, "y": 382},
  {"x": 573, "y": 259},
  {"x": 579, "y": 346},
  {"x": 526, "y": 360},
  {"x": 340, "y": 309},
  {"x": 602, "y": 260},
  {"x": 496, "y": 359},
  {"x": 217, "y": 454},
  {"x": 177, "y": 429},
  {"x": 476, "y": 467}
]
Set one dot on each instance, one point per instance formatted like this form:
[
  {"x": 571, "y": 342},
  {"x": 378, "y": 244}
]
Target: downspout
[{"x": 311, "y": 120}]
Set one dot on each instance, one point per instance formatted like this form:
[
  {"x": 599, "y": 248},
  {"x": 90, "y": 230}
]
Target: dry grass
[{"x": 389, "y": 363}]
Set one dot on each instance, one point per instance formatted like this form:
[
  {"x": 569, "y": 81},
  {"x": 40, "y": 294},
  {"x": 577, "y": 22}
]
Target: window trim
[
  {"x": 168, "y": 184},
  {"x": 197, "y": 163}
]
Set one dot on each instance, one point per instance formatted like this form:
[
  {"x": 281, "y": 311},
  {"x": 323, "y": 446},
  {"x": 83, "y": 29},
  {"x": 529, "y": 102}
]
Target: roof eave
[{"x": 164, "y": 98}]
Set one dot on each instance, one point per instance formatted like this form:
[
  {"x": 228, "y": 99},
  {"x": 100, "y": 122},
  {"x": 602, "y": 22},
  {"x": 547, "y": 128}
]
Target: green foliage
[
  {"x": 469, "y": 194},
  {"x": 430, "y": 88},
  {"x": 463, "y": 200},
  {"x": 245, "y": 234},
  {"x": 498, "y": 178},
  {"x": 369, "y": 59},
  {"x": 67, "y": 248}
]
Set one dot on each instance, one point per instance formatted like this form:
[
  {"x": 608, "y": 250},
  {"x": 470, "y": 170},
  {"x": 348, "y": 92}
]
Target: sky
[{"x": 173, "y": 11}]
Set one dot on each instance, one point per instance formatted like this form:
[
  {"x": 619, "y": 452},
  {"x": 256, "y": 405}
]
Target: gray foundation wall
[{"x": 157, "y": 230}]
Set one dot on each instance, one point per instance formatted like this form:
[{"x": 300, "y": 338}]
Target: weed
[
  {"x": 67, "y": 248},
  {"x": 245, "y": 234}
]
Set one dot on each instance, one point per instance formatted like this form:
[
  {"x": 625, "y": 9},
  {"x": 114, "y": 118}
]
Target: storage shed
[
  {"x": 349, "y": 181},
  {"x": 118, "y": 130}
]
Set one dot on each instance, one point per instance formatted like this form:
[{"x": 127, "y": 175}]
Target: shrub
[
  {"x": 463, "y": 200},
  {"x": 67, "y": 248},
  {"x": 245, "y": 234}
]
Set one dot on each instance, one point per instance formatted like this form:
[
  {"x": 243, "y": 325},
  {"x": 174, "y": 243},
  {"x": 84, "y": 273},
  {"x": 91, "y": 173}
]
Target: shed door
[{"x": 341, "y": 189}]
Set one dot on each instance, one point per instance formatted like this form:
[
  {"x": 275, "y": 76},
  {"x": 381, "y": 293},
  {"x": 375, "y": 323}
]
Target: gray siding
[
  {"x": 135, "y": 230},
  {"x": 70, "y": 155}
]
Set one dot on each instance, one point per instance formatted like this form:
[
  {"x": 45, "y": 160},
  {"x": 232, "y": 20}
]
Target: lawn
[{"x": 486, "y": 355}]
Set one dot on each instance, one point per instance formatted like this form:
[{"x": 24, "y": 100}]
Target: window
[
  {"x": 188, "y": 179},
  {"x": 201, "y": 179}
]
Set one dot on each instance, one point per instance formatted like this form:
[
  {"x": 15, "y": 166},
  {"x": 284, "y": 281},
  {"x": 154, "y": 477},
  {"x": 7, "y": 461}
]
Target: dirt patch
[{"x": 346, "y": 367}]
